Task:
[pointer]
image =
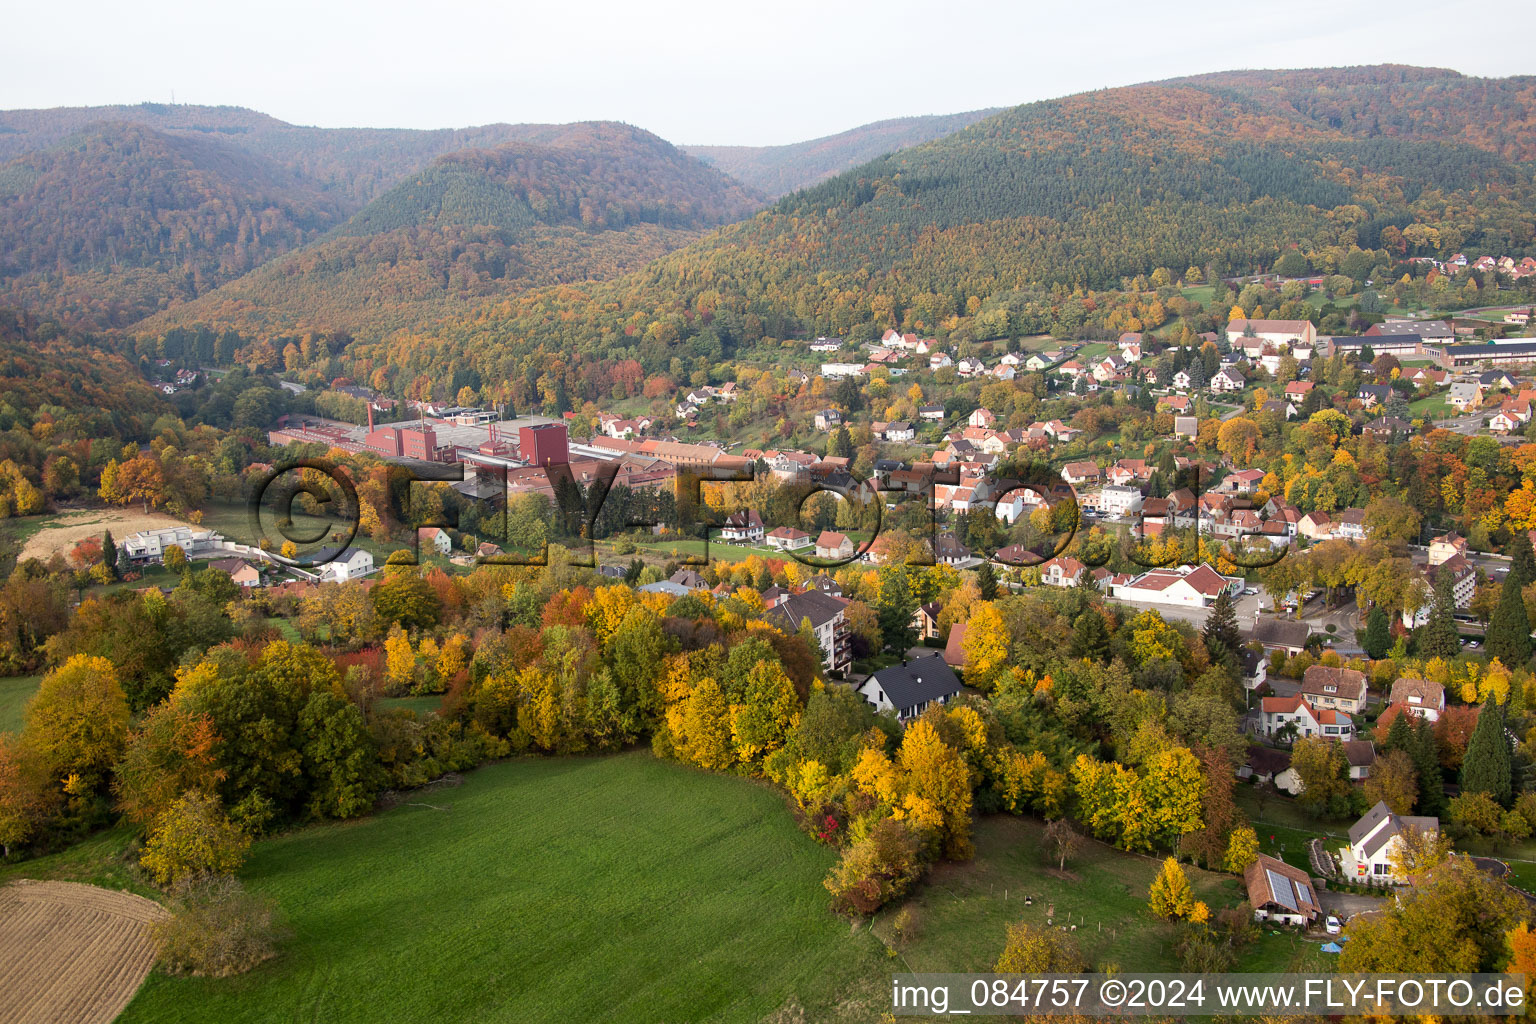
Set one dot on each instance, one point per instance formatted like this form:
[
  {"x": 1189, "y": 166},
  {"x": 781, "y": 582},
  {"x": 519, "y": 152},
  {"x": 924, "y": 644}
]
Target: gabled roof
[
  {"x": 1274, "y": 883},
  {"x": 1395, "y": 824},
  {"x": 917, "y": 681}
]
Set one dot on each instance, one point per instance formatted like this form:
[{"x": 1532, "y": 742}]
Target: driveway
[{"x": 1345, "y": 905}]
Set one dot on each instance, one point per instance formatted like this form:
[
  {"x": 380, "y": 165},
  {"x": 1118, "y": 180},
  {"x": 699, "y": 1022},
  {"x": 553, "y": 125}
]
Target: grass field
[
  {"x": 963, "y": 910},
  {"x": 15, "y": 691},
  {"x": 617, "y": 888}
]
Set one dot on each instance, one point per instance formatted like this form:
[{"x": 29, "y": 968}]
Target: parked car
[
  {"x": 1250, "y": 591},
  {"x": 1332, "y": 925}
]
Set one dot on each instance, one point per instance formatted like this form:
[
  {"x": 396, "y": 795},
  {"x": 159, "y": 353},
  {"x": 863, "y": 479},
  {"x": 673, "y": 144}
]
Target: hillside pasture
[{"x": 616, "y": 888}]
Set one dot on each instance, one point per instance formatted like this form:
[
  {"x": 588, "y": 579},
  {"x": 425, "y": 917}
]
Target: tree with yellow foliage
[
  {"x": 77, "y": 722},
  {"x": 399, "y": 657},
  {"x": 986, "y": 645},
  {"x": 194, "y": 837},
  {"x": 938, "y": 785},
  {"x": 1171, "y": 896}
]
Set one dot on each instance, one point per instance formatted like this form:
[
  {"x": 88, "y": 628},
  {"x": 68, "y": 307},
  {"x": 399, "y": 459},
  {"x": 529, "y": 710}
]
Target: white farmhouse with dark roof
[{"x": 910, "y": 687}]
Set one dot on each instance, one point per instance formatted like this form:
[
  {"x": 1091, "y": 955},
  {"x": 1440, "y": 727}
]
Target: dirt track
[
  {"x": 70, "y": 528},
  {"x": 71, "y": 954}
]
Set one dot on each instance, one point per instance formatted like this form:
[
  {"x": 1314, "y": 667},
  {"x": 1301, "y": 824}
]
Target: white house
[
  {"x": 1276, "y": 713},
  {"x": 1419, "y": 697},
  {"x": 833, "y": 545},
  {"x": 150, "y": 545},
  {"x": 1374, "y": 839},
  {"x": 787, "y": 538},
  {"x": 1229, "y": 379},
  {"x": 909, "y": 688},
  {"x": 1195, "y": 586},
  {"x": 745, "y": 527},
  {"x": 1118, "y": 500},
  {"x": 437, "y": 539},
  {"x": 842, "y": 369},
  {"x": 349, "y": 565}
]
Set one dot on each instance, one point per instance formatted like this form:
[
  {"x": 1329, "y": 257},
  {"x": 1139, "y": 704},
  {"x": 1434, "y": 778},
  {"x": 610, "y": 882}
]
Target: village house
[
  {"x": 1374, "y": 839},
  {"x": 1277, "y": 715},
  {"x": 787, "y": 538},
  {"x": 1228, "y": 379},
  {"x": 1340, "y": 688},
  {"x": 1079, "y": 473},
  {"x": 1361, "y": 756},
  {"x": 1061, "y": 571},
  {"x": 1465, "y": 394},
  {"x": 1280, "y": 893},
  {"x": 1446, "y": 546},
  {"x": 1418, "y": 697},
  {"x": 743, "y": 527},
  {"x": 909, "y": 688},
  {"x": 1286, "y": 635},
  {"x": 828, "y": 419},
  {"x": 241, "y": 572},
  {"x": 339, "y": 568},
  {"x": 436, "y": 539},
  {"x": 925, "y": 621},
  {"x": 834, "y": 546}
]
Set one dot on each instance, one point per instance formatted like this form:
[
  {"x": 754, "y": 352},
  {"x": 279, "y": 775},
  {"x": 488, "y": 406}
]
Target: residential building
[
  {"x": 1361, "y": 755},
  {"x": 787, "y": 538},
  {"x": 926, "y": 620},
  {"x": 348, "y": 565},
  {"x": 435, "y": 538},
  {"x": 743, "y": 527},
  {"x": 1286, "y": 635},
  {"x": 1446, "y": 546},
  {"x": 1375, "y": 838},
  {"x": 832, "y": 545},
  {"x": 1343, "y": 689},
  {"x": 1418, "y": 697},
  {"x": 1278, "y": 714},
  {"x": 909, "y": 688},
  {"x": 827, "y": 615},
  {"x": 150, "y": 545},
  {"x": 241, "y": 572}
]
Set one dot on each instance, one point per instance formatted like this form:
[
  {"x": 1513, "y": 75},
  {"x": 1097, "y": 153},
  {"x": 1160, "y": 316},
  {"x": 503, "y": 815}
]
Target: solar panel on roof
[{"x": 1280, "y": 886}]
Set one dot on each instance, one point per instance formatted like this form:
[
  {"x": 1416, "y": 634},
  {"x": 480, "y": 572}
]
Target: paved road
[{"x": 1468, "y": 424}]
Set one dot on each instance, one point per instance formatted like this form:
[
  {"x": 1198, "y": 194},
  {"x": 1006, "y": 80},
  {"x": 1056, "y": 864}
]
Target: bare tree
[{"x": 1064, "y": 840}]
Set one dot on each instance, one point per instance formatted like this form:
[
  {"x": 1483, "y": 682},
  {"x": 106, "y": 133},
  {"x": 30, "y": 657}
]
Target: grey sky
[{"x": 700, "y": 72}]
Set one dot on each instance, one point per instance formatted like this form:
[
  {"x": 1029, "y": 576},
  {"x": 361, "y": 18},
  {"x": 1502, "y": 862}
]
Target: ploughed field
[{"x": 69, "y": 953}]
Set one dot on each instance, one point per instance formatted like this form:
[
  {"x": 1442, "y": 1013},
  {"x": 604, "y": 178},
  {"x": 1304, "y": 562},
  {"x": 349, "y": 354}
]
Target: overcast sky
[{"x": 700, "y": 72}]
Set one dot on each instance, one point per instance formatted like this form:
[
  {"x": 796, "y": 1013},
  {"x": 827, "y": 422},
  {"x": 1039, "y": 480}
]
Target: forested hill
[
  {"x": 118, "y": 220},
  {"x": 775, "y": 170},
  {"x": 355, "y": 165},
  {"x": 577, "y": 203},
  {"x": 988, "y": 231}
]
